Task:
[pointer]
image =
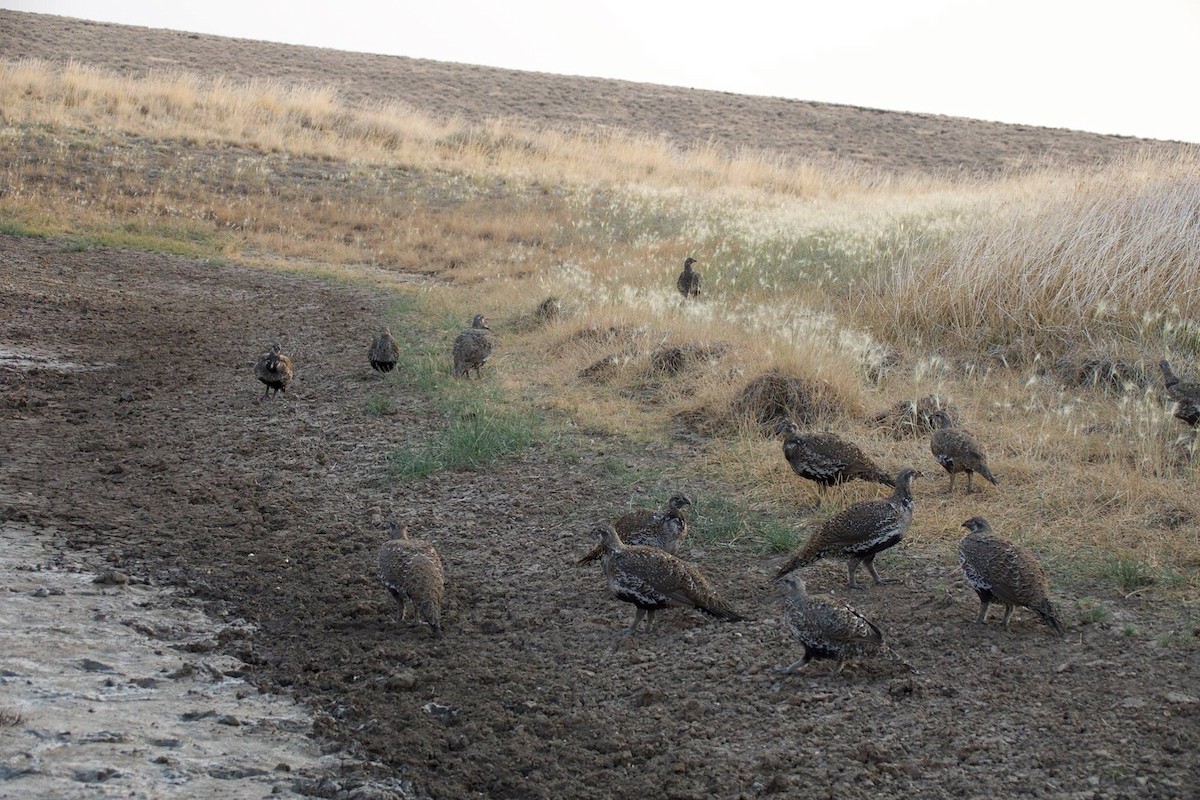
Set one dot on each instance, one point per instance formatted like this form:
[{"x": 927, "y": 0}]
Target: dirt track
[{"x": 160, "y": 462}]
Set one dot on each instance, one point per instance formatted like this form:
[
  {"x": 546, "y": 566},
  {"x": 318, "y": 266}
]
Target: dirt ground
[
  {"x": 886, "y": 139},
  {"x": 156, "y": 460}
]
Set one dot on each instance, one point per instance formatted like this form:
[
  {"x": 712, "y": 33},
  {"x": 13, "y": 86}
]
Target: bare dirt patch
[{"x": 164, "y": 467}]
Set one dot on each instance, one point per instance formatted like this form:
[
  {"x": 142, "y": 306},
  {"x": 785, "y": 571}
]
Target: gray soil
[{"x": 158, "y": 462}]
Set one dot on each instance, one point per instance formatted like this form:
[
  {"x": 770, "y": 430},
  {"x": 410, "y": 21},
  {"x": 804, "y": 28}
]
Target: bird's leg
[
  {"x": 650, "y": 620},
  {"x": 795, "y": 666},
  {"x": 970, "y": 489},
  {"x": 870, "y": 562},
  {"x": 983, "y": 611},
  {"x": 637, "y": 619},
  {"x": 840, "y": 666},
  {"x": 1008, "y": 609},
  {"x": 850, "y": 570},
  {"x": 951, "y": 489}
]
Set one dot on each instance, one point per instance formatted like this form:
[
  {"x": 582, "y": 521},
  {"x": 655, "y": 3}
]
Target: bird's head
[
  {"x": 679, "y": 501},
  {"x": 977, "y": 525},
  {"x": 940, "y": 419},
  {"x": 480, "y": 321},
  {"x": 397, "y": 530},
  {"x": 787, "y": 428},
  {"x": 792, "y": 584},
  {"x": 607, "y": 535},
  {"x": 687, "y": 262}
]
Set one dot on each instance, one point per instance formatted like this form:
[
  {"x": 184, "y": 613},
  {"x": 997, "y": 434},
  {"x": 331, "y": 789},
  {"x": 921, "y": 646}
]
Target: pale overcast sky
[{"x": 1109, "y": 66}]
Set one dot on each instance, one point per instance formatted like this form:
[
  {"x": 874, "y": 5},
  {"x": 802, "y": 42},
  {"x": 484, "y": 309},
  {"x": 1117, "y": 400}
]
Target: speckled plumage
[
  {"x": 275, "y": 370},
  {"x": 957, "y": 451},
  {"x": 384, "y": 352},
  {"x": 412, "y": 571},
  {"x": 830, "y": 630},
  {"x": 827, "y": 459},
  {"x": 860, "y": 532},
  {"x": 1002, "y": 571},
  {"x": 472, "y": 348},
  {"x": 1185, "y": 395},
  {"x": 688, "y": 282},
  {"x": 665, "y": 529},
  {"x": 652, "y": 579}
]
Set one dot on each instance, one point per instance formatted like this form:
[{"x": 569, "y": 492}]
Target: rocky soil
[{"x": 132, "y": 439}]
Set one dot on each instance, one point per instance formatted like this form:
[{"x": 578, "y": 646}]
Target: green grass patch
[
  {"x": 380, "y": 405},
  {"x": 721, "y": 521},
  {"x": 12, "y": 227},
  {"x": 474, "y": 439}
]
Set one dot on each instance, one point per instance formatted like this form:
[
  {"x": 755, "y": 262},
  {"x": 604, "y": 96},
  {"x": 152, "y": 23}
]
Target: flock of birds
[{"x": 638, "y": 550}]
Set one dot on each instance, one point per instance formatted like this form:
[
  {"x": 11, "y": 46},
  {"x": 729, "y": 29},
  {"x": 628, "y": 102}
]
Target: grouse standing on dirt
[
  {"x": 384, "y": 352},
  {"x": 653, "y": 579},
  {"x": 828, "y": 459},
  {"x": 689, "y": 280},
  {"x": 412, "y": 571},
  {"x": 275, "y": 370},
  {"x": 665, "y": 530},
  {"x": 1002, "y": 571},
  {"x": 957, "y": 451},
  {"x": 830, "y": 630},
  {"x": 1185, "y": 395},
  {"x": 860, "y": 532},
  {"x": 472, "y": 348}
]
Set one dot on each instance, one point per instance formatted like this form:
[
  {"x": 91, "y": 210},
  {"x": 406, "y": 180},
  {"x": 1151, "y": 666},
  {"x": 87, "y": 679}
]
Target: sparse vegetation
[{"x": 860, "y": 287}]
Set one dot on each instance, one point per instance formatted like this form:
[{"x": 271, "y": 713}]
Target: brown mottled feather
[
  {"x": 652, "y": 579},
  {"x": 664, "y": 529},
  {"x": 688, "y": 281},
  {"x": 275, "y": 370},
  {"x": 830, "y": 630},
  {"x": 384, "y": 352},
  {"x": 827, "y": 459},
  {"x": 860, "y": 532},
  {"x": 412, "y": 571},
  {"x": 1002, "y": 571},
  {"x": 1185, "y": 395},
  {"x": 957, "y": 451},
  {"x": 472, "y": 348}
]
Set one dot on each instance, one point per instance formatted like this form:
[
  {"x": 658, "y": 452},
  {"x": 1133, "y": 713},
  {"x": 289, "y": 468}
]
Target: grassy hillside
[{"x": 1037, "y": 302}]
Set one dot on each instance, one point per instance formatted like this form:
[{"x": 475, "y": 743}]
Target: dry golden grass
[{"x": 868, "y": 289}]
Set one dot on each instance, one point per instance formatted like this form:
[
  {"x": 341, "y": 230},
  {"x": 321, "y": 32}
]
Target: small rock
[
  {"x": 447, "y": 715},
  {"x": 1133, "y": 702},
  {"x": 230, "y": 720},
  {"x": 192, "y": 716},
  {"x": 111, "y": 577},
  {"x": 89, "y": 665},
  {"x": 41, "y": 591},
  {"x": 1181, "y": 698}
]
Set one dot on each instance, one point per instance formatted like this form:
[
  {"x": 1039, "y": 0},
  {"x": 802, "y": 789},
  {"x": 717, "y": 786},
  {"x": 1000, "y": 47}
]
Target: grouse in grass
[
  {"x": 472, "y": 348},
  {"x": 689, "y": 280},
  {"x": 384, "y": 352},
  {"x": 1185, "y": 395},
  {"x": 827, "y": 459},
  {"x": 957, "y": 451}
]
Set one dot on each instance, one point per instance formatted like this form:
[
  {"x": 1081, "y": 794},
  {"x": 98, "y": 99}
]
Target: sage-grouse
[
  {"x": 412, "y": 571},
  {"x": 689, "y": 280},
  {"x": 828, "y": 459},
  {"x": 275, "y": 370},
  {"x": 384, "y": 352},
  {"x": 653, "y": 579},
  {"x": 1185, "y": 395},
  {"x": 665, "y": 530},
  {"x": 860, "y": 532},
  {"x": 957, "y": 451},
  {"x": 1001, "y": 571},
  {"x": 830, "y": 630},
  {"x": 472, "y": 348}
]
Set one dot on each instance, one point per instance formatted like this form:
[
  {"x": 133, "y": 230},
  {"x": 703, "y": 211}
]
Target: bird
[
  {"x": 472, "y": 348},
  {"x": 860, "y": 532},
  {"x": 653, "y": 579},
  {"x": 689, "y": 280},
  {"x": 1185, "y": 395},
  {"x": 827, "y": 459},
  {"x": 1002, "y": 571},
  {"x": 412, "y": 571},
  {"x": 665, "y": 530},
  {"x": 275, "y": 370},
  {"x": 957, "y": 451},
  {"x": 384, "y": 352},
  {"x": 830, "y": 630}
]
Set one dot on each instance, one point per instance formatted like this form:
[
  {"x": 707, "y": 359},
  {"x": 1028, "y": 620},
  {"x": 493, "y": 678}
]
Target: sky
[{"x": 1106, "y": 66}]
